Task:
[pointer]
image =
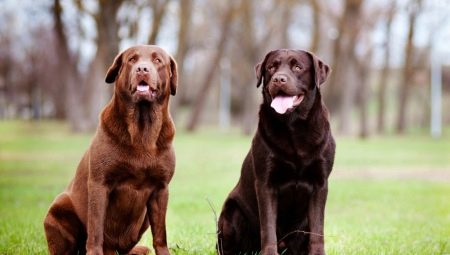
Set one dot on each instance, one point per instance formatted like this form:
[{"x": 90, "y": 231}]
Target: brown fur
[
  {"x": 121, "y": 184},
  {"x": 278, "y": 205}
]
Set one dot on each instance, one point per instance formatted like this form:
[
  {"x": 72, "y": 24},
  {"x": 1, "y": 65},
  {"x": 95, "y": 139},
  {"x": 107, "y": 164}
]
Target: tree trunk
[
  {"x": 286, "y": 13},
  {"x": 384, "y": 76},
  {"x": 36, "y": 101},
  {"x": 250, "y": 54},
  {"x": 200, "y": 100},
  {"x": 5, "y": 73},
  {"x": 68, "y": 74},
  {"x": 339, "y": 65},
  {"x": 364, "y": 67},
  {"x": 345, "y": 79},
  {"x": 184, "y": 29},
  {"x": 98, "y": 92},
  {"x": 158, "y": 10},
  {"x": 407, "y": 73},
  {"x": 315, "y": 41}
]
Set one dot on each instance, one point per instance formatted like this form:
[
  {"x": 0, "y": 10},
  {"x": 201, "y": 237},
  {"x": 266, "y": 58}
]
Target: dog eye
[
  {"x": 157, "y": 61},
  {"x": 132, "y": 59},
  {"x": 297, "y": 68}
]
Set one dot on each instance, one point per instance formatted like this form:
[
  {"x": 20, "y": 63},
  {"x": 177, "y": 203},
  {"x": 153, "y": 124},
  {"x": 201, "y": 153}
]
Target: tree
[
  {"x": 250, "y": 53},
  {"x": 205, "y": 86},
  {"x": 6, "y": 67},
  {"x": 408, "y": 68},
  {"x": 363, "y": 68},
  {"x": 184, "y": 45},
  {"x": 158, "y": 8},
  {"x": 384, "y": 75},
  {"x": 97, "y": 92},
  {"x": 316, "y": 32},
  {"x": 68, "y": 74},
  {"x": 343, "y": 82}
]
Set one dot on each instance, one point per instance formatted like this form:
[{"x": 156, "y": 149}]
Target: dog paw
[
  {"x": 162, "y": 251},
  {"x": 139, "y": 250}
]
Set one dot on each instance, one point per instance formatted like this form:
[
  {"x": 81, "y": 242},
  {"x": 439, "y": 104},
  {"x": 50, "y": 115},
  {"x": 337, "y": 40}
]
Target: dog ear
[
  {"x": 260, "y": 69},
  {"x": 173, "y": 77},
  {"x": 259, "y": 75},
  {"x": 114, "y": 69},
  {"x": 321, "y": 70}
]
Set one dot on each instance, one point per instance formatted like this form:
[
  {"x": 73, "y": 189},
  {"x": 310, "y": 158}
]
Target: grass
[{"x": 381, "y": 200}]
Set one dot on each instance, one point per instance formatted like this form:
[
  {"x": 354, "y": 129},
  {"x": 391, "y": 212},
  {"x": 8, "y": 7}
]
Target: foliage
[{"x": 54, "y": 55}]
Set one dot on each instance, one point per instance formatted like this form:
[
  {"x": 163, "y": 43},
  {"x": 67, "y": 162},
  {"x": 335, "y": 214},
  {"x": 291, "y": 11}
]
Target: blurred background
[{"x": 390, "y": 59}]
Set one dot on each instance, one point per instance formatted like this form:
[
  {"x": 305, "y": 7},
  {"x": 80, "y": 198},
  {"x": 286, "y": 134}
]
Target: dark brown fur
[
  {"x": 121, "y": 185},
  {"x": 278, "y": 204}
]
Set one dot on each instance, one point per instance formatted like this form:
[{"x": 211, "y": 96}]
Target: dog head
[
  {"x": 291, "y": 79},
  {"x": 144, "y": 73}
]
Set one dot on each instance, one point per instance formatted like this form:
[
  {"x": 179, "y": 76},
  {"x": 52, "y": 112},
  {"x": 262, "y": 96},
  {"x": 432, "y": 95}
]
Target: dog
[
  {"x": 121, "y": 184},
  {"x": 277, "y": 207}
]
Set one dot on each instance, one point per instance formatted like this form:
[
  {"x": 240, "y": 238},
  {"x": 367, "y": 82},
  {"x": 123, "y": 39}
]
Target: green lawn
[{"x": 388, "y": 195}]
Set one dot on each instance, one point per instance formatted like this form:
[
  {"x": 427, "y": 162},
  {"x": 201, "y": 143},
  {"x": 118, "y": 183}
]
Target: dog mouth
[
  {"x": 143, "y": 88},
  {"x": 283, "y": 103}
]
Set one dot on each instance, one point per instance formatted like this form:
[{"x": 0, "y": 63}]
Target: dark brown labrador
[
  {"x": 121, "y": 185},
  {"x": 278, "y": 205}
]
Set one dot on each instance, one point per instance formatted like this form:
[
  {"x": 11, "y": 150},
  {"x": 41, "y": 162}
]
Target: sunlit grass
[{"x": 364, "y": 216}]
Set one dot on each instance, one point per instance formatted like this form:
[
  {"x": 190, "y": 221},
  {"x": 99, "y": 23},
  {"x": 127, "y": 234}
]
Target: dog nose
[
  {"x": 279, "y": 79},
  {"x": 142, "y": 69}
]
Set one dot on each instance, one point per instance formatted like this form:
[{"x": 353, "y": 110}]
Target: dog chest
[
  {"x": 137, "y": 177},
  {"x": 291, "y": 180},
  {"x": 294, "y": 190}
]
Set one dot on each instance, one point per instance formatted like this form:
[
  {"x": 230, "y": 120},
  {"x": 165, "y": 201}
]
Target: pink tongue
[
  {"x": 142, "y": 88},
  {"x": 282, "y": 103}
]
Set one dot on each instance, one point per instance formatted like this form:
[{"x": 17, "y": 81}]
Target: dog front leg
[
  {"x": 97, "y": 203},
  {"x": 316, "y": 219},
  {"x": 158, "y": 208},
  {"x": 267, "y": 207}
]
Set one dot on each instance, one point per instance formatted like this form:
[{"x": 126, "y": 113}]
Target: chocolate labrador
[
  {"x": 121, "y": 184},
  {"x": 278, "y": 205}
]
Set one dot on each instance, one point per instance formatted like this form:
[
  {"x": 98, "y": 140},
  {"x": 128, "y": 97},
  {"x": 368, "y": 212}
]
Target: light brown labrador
[{"x": 121, "y": 184}]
